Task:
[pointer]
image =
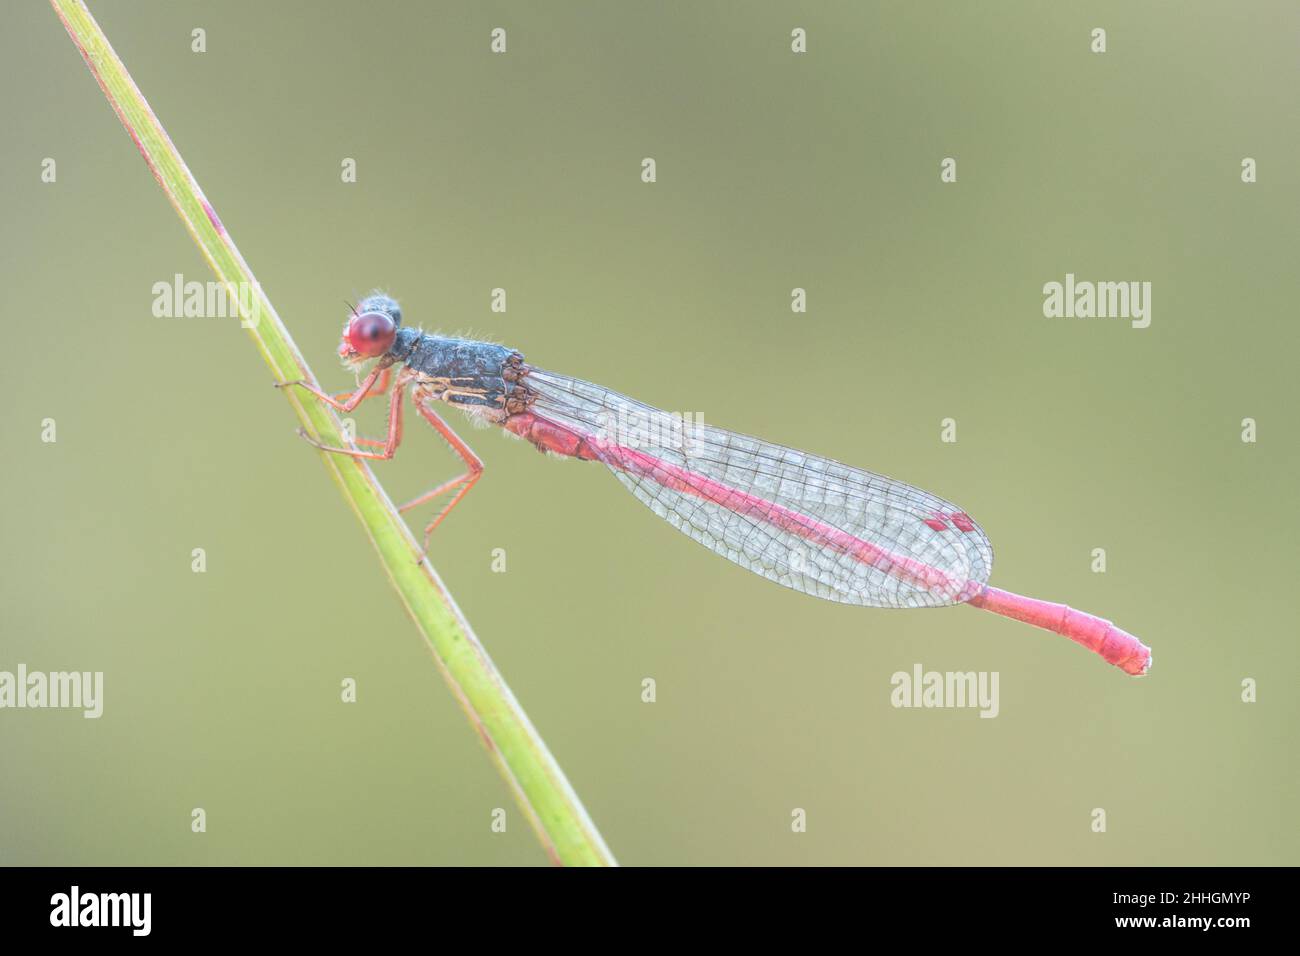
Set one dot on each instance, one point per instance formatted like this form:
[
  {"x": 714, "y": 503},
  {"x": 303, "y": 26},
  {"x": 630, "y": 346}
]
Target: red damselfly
[{"x": 806, "y": 522}]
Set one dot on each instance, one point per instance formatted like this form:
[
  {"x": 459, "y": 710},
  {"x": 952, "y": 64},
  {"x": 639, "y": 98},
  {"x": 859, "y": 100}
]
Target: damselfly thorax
[{"x": 482, "y": 378}]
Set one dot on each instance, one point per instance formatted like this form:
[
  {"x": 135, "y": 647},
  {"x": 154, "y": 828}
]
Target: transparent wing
[{"x": 806, "y": 522}]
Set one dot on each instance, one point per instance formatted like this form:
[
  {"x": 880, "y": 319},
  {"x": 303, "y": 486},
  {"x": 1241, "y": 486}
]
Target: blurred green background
[{"x": 774, "y": 171}]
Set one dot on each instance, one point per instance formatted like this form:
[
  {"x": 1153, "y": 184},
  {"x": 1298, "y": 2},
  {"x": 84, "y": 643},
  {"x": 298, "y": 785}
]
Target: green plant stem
[{"x": 554, "y": 810}]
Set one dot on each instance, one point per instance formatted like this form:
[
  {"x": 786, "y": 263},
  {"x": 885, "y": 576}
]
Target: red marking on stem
[
  {"x": 137, "y": 99},
  {"x": 214, "y": 218}
]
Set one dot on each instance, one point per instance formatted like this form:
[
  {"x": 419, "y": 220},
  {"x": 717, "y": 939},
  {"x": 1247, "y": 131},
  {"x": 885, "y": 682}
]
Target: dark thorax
[{"x": 479, "y": 376}]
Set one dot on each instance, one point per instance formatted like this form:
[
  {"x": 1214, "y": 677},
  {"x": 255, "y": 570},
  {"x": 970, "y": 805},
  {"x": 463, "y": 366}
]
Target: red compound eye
[{"x": 370, "y": 334}]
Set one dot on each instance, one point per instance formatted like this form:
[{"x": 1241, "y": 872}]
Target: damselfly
[{"x": 808, "y": 523}]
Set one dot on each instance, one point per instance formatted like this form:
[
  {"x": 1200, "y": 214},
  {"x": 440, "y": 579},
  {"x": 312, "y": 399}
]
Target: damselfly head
[{"x": 370, "y": 329}]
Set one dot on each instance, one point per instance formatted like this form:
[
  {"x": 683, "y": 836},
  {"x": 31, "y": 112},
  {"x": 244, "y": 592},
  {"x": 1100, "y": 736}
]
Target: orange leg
[
  {"x": 394, "y": 427},
  {"x": 460, "y": 484},
  {"x": 385, "y": 379},
  {"x": 356, "y": 397}
]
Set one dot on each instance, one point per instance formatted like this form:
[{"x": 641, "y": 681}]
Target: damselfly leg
[
  {"x": 381, "y": 386},
  {"x": 460, "y": 484},
  {"x": 387, "y": 448},
  {"x": 394, "y": 421},
  {"x": 354, "y": 398}
]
